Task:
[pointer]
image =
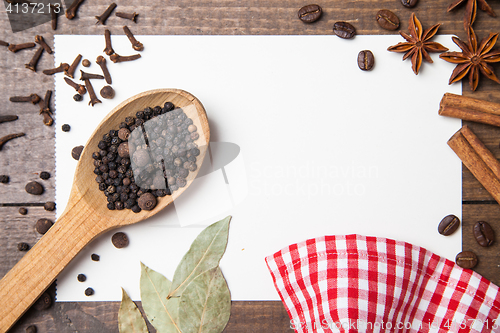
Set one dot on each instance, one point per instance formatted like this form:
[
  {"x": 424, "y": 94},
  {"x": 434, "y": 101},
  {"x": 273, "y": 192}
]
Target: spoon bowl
[{"x": 86, "y": 215}]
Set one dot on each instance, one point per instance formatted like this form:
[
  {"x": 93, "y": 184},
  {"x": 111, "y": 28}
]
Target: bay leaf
[
  {"x": 162, "y": 312},
  {"x": 130, "y": 318},
  {"x": 204, "y": 254},
  {"x": 205, "y": 304}
]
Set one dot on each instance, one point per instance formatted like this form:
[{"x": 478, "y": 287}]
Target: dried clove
[
  {"x": 17, "y": 47},
  {"x": 107, "y": 92},
  {"x": 34, "y": 61},
  {"x": 71, "y": 69},
  {"x": 101, "y": 61},
  {"x": 39, "y": 39},
  {"x": 78, "y": 87},
  {"x": 118, "y": 58},
  {"x": 4, "y": 119},
  {"x": 33, "y": 98},
  {"x": 45, "y": 109},
  {"x": 107, "y": 38},
  {"x": 132, "y": 16},
  {"x": 2, "y": 43},
  {"x": 71, "y": 11},
  {"x": 102, "y": 19},
  {"x": 93, "y": 98},
  {"x": 89, "y": 76},
  {"x": 136, "y": 45},
  {"x": 61, "y": 68},
  {"x": 54, "y": 15},
  {"x": 9, "y": 137}
]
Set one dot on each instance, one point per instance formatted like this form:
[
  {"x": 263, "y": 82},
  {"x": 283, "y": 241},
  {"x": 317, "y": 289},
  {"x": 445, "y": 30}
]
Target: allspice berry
[
  {"x": 34, "y": 188},
  {"x": 43, "y": 225},
  {"x": 147, "y": 201},
  {"x": 76, "y": 152},
  {"x": 49, "y": 206},
  {"x": 120, "y": 240},
  {"x": 44, "y": 302},
  {"x": 86, "y": 63},
  {"x": 23, "y": 211},
  {"x": 23, "y": 246},
  {"x": 89, "y": 292},
  {"x": 107, "y": 92},
  {"x": 141, "y": 158},
  {"x": 123, "y": 150},
  {"x": 124, "y": 133}
]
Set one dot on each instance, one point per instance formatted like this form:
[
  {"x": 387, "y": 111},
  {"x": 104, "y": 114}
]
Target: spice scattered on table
[
  {"x": 34, "y": 60},
  {"x": 44, "y": 302},
  {"x": 448, "y": 225},
  {"x": 23, "y": 211},
  {"x": 344, "y": 30},
  {"x": 9, "y": 137},
  {"x": 466, "y": 259},
  {"x": 107, "y": 92},
  {"x": 66, "y": 127},
  {"x": 89, "y": 292},
  {"x": 18, "y": 47},
  {"x": 4, "y": 179},
  {"x": 484, "y": 234},
  {"x": 33, "y": 98},
  {"x": 31, "y": 329},
  {"x": 108, "y": 49},
  {"x": 101, "y": 61},
  {"x": 43, "y": 225},
  {"x": 76, "y": 152},
  {"x": 44, "y": 175},
  {"x": 23, "y": 246},
  {"x": 61, "y": 68},
  {"x": 102, "y": 18},
  {"x": 128, "y": 16},
  {"x": 310, "y": 13},
  {"x": 49, "y": 206},
  {"x": 136, "y": 45},
  {"x": 80, "y": 89},
  {"x": 93, "y": 97},
  {"x": 8, "y": 118},
  {"x": 418, "y": 44},
  {"x": 34, "y": 188},
  {"x": 73, "y": 9},
  {"x": 115, "y": 57},
  {"x": 78, "y": 97},
  {"x": 71, "y": 69},
  {"x": 86, "y": 63},
  {"x": 120, "y": 240},
  {"x": 474, "y": 59},
  {"x": 95, "y": 257},
  {"x": 81, "y": 278}
]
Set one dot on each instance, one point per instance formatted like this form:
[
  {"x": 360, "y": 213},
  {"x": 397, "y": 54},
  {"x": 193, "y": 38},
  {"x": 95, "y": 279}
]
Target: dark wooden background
[{"x": 23, "y": 159}]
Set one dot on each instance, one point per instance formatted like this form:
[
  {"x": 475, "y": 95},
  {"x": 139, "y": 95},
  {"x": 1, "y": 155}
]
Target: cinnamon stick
[
  {"x": 467, "y": 108},
  {"x": 478, "y": 159}
]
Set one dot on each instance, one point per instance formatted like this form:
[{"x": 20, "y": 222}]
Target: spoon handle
[{"x": 36, "y": 271}]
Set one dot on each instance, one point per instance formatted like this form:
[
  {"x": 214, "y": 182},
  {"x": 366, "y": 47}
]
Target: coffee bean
[
  {"x": 366, "y": 60},
  {"x": 448, "y": 225},
  {"x": 387, "y": 19},
  {"x": 344, "y": 30},
  {"x": 81, "y": 278},
  {"x": 34, "y": 188},
  {"x": 409, "y": 3},
  {"x": 44, "y": 302},
  {"x": 119, "y": 240},
  {"x": 76, "y": 152},
  {"x": 466, "y": 259},
  {"x": 23, "y": 246},
  {"x": 31, "y": 329},
  {"x": 95, "y": 257},
  {"x": 89, "y": 292},
  {"x": 43, "y": 225},
  {"x": 49, "y": 206},
  {"x": 310, "y": 13},
  {"x": 484, "y": 234}
]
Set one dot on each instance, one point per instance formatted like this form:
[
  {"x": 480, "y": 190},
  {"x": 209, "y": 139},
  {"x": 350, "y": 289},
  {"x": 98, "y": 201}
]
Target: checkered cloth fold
[{"x": 353, "y": 283}]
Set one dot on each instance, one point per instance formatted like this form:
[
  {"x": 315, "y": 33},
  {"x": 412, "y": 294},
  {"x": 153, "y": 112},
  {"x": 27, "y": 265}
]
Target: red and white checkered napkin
[{"x": 355, "y": 283}]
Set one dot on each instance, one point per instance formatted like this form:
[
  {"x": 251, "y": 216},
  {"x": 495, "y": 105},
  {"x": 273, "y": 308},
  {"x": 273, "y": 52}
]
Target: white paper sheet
[{"x": 304, "y": 144}]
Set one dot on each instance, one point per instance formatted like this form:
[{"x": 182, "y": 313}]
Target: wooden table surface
[{"x": 22, "y": 159}]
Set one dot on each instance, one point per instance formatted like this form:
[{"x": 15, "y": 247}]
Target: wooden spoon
[{"x": 86, "y": 215}]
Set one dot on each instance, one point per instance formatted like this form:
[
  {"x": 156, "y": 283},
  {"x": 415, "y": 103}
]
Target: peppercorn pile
[{"x": 149, "y": 156}]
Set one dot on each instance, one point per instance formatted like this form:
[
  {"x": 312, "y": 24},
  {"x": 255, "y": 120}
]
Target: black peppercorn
[
  {"x": 44, "y": 302},
  {"x": 89, "y": 292},
  {"x": 102, "y": 186},
  {"x": 78, "y": 97},
  {"x": 111, "y": 206},
  {"x": 102, "y": 144},
  {"x": 23, "y": 211},
  {"x": 119, "y": 205},
  {"x": 23, "y": 246},
  {"x": 113, "y": 132},
  {"x": 116, "y": 140},
  {"x": 44, "y": 175},
  {"x": 31, "y": 329},
  {"x": 34, "y": 188},
  {"x": 66, "y": 128},
  {"x": 120, "y": 240},
  {"x": 140, "y": 114},
  {"x": 136, "y": 209},
  {"x": 168, "y": 106},
  {"x": 95, "y": 257},
  {"x": 81, "y": 278}
]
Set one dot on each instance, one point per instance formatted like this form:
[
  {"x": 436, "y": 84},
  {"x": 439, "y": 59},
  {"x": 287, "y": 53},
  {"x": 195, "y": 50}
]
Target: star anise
[
  {"x": 471, "y": 9},
  {"x": 473, "y": 58},
  {"x": 417, "y": 44}
]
